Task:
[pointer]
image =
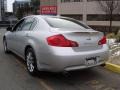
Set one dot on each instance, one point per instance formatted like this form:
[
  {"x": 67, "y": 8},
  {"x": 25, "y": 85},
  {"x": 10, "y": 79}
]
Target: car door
[
  {"x": 11, "y": 39},
  {"x": 22, "y": 35}
]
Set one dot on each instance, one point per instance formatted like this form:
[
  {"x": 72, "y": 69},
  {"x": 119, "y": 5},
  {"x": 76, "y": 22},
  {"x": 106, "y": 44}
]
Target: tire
[
  {"x": 6, "y": 50},
  {"x": 31, "y": 62},
  {"x": 103, "y": 64}
]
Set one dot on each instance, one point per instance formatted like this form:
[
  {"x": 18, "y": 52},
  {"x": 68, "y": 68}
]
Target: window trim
[
  {"x": 23, "y": 21},
  {"x": 16, "y": 25},
  {"x": 32, "y": 24}
]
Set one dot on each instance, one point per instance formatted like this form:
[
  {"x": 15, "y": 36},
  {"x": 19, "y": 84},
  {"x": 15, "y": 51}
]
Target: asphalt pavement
[{"x": 14, "y": 76}]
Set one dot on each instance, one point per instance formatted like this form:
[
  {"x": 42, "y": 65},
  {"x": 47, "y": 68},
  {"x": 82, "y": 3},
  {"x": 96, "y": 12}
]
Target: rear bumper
[{"x": 65, "y": 62}]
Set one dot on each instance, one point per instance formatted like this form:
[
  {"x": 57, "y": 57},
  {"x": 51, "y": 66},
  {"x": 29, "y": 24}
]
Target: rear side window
[
  {"x": 65, "y": 23},
  {"x": 19, "y": 25},
  {"x": 27, "y": 24},
  {"x": 33, "y": 24}
]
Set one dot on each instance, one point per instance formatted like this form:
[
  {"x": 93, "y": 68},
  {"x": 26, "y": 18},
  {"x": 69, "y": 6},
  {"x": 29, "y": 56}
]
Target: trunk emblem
[{"x": 88, "y": 38}]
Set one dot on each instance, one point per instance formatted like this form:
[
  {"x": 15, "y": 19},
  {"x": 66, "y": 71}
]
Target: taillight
[
  {"x": 102, "y": 41},
  {"x": 60, "y": 41}
]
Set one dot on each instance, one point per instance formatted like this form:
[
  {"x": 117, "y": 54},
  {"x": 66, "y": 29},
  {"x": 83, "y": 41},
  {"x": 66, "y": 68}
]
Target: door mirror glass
[{"x": 9, "y": 28}]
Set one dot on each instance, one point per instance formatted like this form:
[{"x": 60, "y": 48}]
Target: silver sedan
[{"x": 56, "y": 44}]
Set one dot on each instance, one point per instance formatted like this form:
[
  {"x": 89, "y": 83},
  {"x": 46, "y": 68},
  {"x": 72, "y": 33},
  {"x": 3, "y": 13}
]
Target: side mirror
[{"x": 9, "y": 28}]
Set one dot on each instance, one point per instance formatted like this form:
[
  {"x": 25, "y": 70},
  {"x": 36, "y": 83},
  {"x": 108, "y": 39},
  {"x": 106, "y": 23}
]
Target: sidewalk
[
  {"x": 114, "y": 54},
  {"x": 115, "y": 60},
  {"x": 113, "y": 63}
]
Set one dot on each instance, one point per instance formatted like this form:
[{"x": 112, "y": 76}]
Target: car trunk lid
[{"x": 87, "y": 39}]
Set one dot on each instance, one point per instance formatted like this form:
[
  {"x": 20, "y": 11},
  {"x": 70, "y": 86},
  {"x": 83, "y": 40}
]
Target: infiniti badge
[{"x": 88, "y": 38}]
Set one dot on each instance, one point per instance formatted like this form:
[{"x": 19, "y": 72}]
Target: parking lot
[{"x": 14, "y": 76}]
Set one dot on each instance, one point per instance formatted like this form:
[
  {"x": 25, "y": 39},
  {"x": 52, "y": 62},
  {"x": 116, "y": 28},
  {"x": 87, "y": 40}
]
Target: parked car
[{"x": 56, "y": 44}]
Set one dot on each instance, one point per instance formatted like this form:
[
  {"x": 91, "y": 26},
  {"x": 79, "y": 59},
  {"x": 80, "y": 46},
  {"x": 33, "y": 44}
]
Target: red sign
[{"x": 48, "y": 10}]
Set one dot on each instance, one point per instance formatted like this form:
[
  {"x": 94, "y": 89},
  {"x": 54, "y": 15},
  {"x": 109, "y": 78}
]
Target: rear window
[{"x": 66, "y": 23}]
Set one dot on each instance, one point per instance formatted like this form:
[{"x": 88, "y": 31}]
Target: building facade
[
  {"x": 0, "y": 11},
  {"x": 88, "y": 11},
  {"x": 19, "y": 4},
  {"x": 48, "y": 7},
  {"x": 3, "y": 9}
]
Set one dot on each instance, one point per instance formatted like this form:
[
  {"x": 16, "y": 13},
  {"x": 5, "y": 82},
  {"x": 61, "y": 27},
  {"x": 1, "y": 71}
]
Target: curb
[{"x": 113, "y": 67}]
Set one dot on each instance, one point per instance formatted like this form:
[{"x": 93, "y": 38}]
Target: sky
[{"x": 9, "y": 5}]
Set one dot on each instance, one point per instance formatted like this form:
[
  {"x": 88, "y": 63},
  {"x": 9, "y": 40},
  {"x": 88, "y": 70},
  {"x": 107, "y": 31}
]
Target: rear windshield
[{"x": 66, "y": 23}]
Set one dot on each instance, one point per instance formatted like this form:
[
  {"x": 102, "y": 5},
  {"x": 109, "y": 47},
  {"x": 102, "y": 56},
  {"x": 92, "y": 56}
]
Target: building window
[
  {"x": 93, "y": 0},
  {"x": 98, "y": 17},
  {"x": 78, "y": 17},
  {"x": 65, "y": 0},
  {"x": 98, "y": 0},
  {"x": 71, "y": 1},
  {"x": 105, "y": 28}
]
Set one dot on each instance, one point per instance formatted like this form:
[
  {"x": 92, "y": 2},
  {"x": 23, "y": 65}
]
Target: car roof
[
  {"x": 52, "y": 16},
  {"x": 42, "y": 16},
  {"x": 46, "y": 16}
]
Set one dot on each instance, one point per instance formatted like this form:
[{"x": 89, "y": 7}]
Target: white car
[{"x": 56, "y": 44}]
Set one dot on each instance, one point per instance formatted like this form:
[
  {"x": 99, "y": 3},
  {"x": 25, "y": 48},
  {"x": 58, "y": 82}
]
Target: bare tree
[
  {"x": 25, "y": 10},
  {"x": 35, "y": 6},
  {"x": 28, "y": 9},
  {"x": 110, "y": 7}
]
